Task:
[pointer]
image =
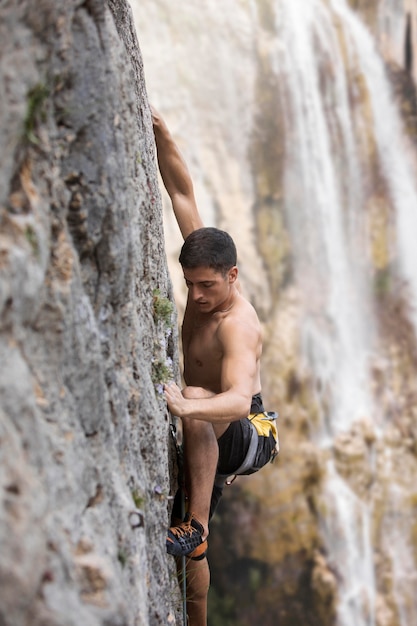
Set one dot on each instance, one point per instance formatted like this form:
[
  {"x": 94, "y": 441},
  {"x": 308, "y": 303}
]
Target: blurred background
[{"x": 298, "y": 121}]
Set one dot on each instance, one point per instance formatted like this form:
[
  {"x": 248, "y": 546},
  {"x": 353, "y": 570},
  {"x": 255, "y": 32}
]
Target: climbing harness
[{"x": 248, "y": 465}]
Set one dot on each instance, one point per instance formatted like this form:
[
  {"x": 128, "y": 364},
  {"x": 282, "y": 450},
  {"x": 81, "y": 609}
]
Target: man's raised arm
[{"x": 176, "y": 177}]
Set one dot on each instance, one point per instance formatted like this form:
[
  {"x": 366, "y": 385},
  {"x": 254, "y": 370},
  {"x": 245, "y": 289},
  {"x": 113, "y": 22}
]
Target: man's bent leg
[{"x": 201, "y": 453}]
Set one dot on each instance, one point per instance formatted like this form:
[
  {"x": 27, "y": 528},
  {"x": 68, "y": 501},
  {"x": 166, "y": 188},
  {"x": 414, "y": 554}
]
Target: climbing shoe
[
  {"x": 185, "y": 537},
  {"x": 200, "y": 552}
]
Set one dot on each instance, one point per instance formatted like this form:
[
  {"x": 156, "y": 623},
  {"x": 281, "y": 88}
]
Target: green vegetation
[
  {"x": 161, "y": 371},
  {"x": 162, "y": 308},
  {"x": 138, "y": 499},
  {"x": 36, "y": 98},
  {"x": 162, "y": 366},
  {"x": 122, "y": 557},
  {"x": 32, "y": 239}
]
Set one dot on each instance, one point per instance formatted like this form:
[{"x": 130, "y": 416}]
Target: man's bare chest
[
  {"x": 202, "y": 355},
  {"x": 203, "y": 349}
]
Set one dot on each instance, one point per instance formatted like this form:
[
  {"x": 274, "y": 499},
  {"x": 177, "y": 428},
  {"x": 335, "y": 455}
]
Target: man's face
[{"x": 209, "y": 290}]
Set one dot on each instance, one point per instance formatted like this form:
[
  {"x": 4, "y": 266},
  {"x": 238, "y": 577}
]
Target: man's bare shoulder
[
  {"x": 244, "y": 309},
  {"x": 242, "y": 318}
]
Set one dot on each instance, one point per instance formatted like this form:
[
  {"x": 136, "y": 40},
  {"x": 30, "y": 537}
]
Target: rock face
[{"x": 84, "y": 436}]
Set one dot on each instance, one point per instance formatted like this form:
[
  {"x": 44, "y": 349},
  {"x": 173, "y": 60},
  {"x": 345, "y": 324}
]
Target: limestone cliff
[{"x": 84, "y": 437}]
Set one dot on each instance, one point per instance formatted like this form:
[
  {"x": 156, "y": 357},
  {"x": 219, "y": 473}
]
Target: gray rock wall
[{"x": 84, "y": 436}]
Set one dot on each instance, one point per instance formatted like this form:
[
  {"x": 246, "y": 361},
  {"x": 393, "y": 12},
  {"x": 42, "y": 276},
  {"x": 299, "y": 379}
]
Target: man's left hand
[{"x": 175, "y": 399}]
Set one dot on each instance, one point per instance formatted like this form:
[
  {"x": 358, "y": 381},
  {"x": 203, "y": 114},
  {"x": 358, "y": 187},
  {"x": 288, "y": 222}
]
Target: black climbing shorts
[{"x": 234, "y": 447}]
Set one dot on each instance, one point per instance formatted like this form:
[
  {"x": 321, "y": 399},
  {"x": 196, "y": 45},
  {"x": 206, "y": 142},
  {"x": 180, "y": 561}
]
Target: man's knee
[
  {"x": 198, "y": 580},
  {"x": 195, "y": 427},
  {"x": 194, "y": 393}
]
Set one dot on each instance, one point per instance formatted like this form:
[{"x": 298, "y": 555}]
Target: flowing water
[
  {"x": 326, "y": 222},
  {"x": 341, "y": 125},
  {"x": 347, "y": 529},
  {"x": 323, "y": 201}
]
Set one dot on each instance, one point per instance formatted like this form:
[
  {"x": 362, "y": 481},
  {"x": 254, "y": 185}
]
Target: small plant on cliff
[
  {"x": 138, "y": 499},
  {"x": 162, "y": 308},
  {"x": 35, "y": 110},
  {"x": 122, "y": 557},
  {"x": 32, "y": 239},
  {"x": 161, "y": 372},
  {"x": 162, "y": 366}
]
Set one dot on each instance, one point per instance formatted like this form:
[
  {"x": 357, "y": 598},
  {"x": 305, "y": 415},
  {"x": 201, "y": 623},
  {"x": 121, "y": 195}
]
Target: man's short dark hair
[{"x": 209, "y": 247}]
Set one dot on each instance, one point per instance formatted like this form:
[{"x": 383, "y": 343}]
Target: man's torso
[{"x": 203, "y": 349}]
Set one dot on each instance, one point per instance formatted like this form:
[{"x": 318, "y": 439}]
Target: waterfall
[
  {"x": 323, "y": 205},
  {"x": 342, "y": 138},
  {"x": 347, "y": 528},
  {"x": 318, "y": 56}
]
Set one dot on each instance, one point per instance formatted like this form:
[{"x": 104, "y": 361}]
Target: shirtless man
[{"x": 222, "y": 345}]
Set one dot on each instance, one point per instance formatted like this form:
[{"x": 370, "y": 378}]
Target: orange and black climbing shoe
[
  {"x": 185, "y": 537},
  {"x": 200, "y": 552}
]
